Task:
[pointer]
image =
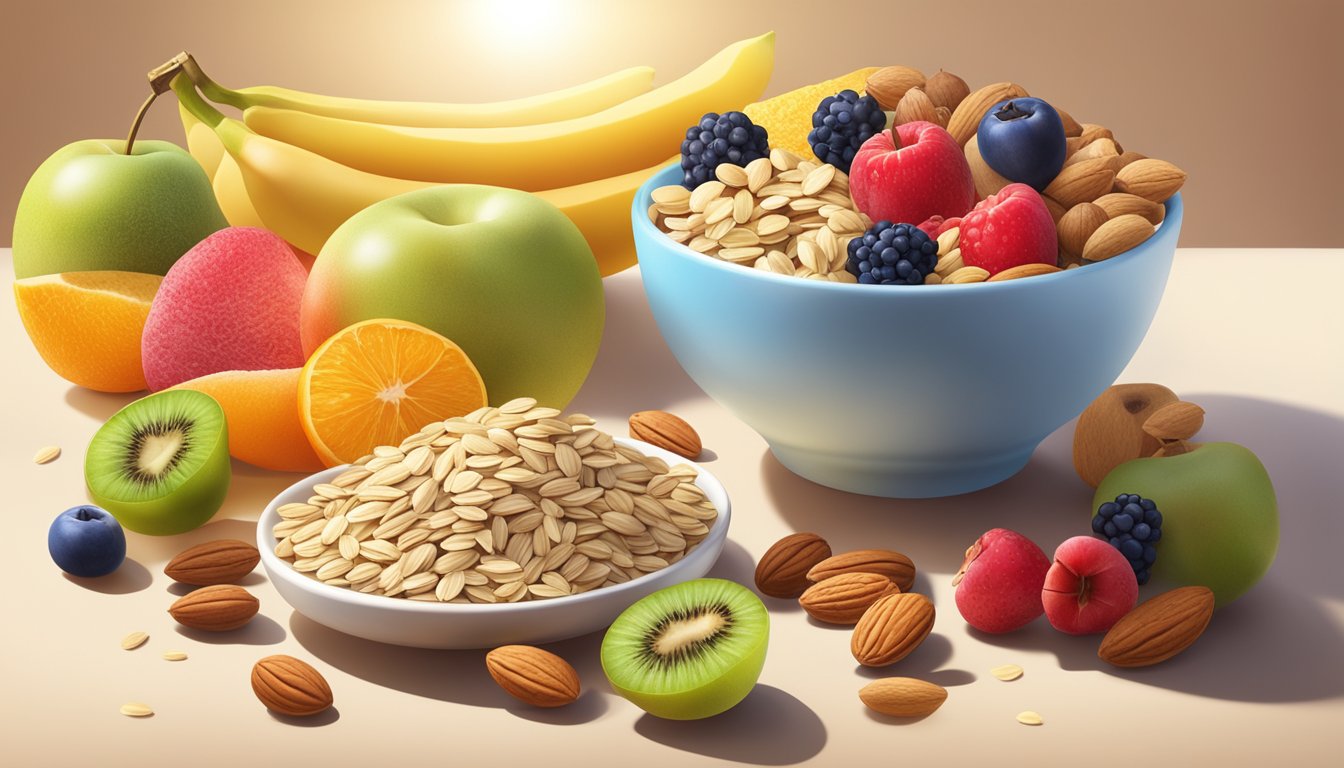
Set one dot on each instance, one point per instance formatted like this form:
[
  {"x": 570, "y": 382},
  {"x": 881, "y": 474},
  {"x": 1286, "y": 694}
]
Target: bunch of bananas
[{"x": 300, "y": 164}]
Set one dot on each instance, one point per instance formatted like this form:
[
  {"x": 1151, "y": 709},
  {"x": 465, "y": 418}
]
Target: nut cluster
[{"x": 501, "y": 505}]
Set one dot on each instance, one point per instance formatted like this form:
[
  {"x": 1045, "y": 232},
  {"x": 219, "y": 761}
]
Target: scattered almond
[
  {"x": 1175, "y": 421},
  {"x": 47, "y": 455},
  {"x": 783, "y": 569},
  {"x": 174, "y": 656},
  {"x": 946, "y": 90},
  {"x": 134, "y": 640},
  {"x": 666, "y": 431},
  {"x": 1007, "y": 673},
  {"x": 1029, "y": 718},
  {"x": 1081, "y": 182},
  {"x": 1076, "y": 226},
  {"x": 903, "y": 696},
  {"x": 914, "y": 106},
  {"x": 1154, "y": 180},
  {"x": 1116, "y": 236},
  {"x": 533, "y": 676},
  {"x": 218, "y": 608},
  {"x": 889, "y": 84},
  {"x": 1121, "y": 203},
  {"x": 891, "y": 629},
  {"x": 290, "y": 687},
  {"x": 966, "y": 117},
  {"x": 893, "y": 565},
  {"x": 843, "y": 599},
  {"x": 214, "y": 562},
  {"x": 136, "y": 709},
  {"x": 1159, "y": 628}
]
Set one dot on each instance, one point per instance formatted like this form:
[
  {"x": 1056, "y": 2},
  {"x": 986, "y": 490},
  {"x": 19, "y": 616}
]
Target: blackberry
[
  {"x": 892, "y": 254},
  {"x": 841, "y": 124},
  {"x": 727, "y": 138},
  {"x": 1132, "y": 524}
]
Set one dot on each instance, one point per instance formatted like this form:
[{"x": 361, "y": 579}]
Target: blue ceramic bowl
[{"x": 904, "y": 392}]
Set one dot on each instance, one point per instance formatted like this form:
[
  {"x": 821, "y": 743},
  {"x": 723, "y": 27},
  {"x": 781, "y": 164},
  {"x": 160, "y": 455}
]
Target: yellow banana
[
  {"x": 564, "y": 104},
  {"x": 201, "y": 142},
  {"x": 633, "y": 134},
  {"x": 303, "y": 197}
]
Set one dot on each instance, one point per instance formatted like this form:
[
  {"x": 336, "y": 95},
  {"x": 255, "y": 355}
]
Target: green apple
[
  {"x": 503, "y": 273},
  {"x": 1220, "y": 520},
  {"x": 90, "y": 207}
]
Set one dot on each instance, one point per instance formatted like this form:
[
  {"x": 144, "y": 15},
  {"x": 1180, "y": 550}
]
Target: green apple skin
[
  {"x": 92, "y": 207},
  {"x": 1220, "y": 520},
  {"x": 502, "y": 273}
]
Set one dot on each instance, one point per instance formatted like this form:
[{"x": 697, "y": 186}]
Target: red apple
[
  {"x": 1089, "y": 586},
  {"x": 918, "y": 172},
  {"x": 1008, "y": 229},
  {"x": 999, "y": 586}
]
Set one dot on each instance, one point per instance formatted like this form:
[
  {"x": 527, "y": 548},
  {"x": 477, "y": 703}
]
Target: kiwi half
[
  {"x": 689, "y": 651},
  {"x": 161, "y": 464}
]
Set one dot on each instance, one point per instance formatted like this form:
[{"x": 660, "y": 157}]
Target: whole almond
[
  {"x": 1154, "y": 180},
  {"x": 1081, "y": 182},
  {"x": 1175, "y": 421},
  {"x": 290, "y": 687},
  {"x": 1110, "y": 430},
  {"x": 1023, "y": 270},
  {"x": 943, "y": 114},
  {"x": 915, "y": 106},
  {"x": 1117, "y": 236},
  {"x": 533, "y": 676},
  {"x": 782, "y": 570},
  {"x": 1057, "y": 211},
  {"x": 662, "y": 429},
  {"x": 903, "y": 696},
  {"x": 217, "y": 608},
  {"x": 1128, "y": 157},
  {"x": 1092, "y": 132},
  {"x": 987, "y": 180},
  {"x": 1071, "y": 127},
  {"x": 1159, "y": 628},
  {"x": 966, "y": 117},
  {"x": 1072, "y": 145},
  {"x": 1099, "y": 148},
  {"x": 889, "y": 84},
  {"x": 843, "y": 599},
  {"x": 891, "y": 629},
  {"x": 1121, "y": 203},
  {"x": 224, "y": 561},
  {"x": 1077, "y": 225},
  {"x": 946, "y": 90},
  {"x": 893, "y": 565}
]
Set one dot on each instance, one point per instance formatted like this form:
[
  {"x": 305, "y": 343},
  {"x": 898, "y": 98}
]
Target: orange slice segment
[
  {"x": 787, "y": 118},
  {"x": 380, "y": 381},
  {"x": 262, "y": 409}
]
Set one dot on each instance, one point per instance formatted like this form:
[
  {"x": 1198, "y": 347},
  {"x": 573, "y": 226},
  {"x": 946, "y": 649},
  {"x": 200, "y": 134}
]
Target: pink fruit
[
  {"x": 231, "y": 303},
  {"x": 1007, "y": 229},
  {"x": 1089, "y": 587},
  {"x": 999, "y": 585},
  {"x": 917, "y": 173},
  {"x": 937, "y": 225}
]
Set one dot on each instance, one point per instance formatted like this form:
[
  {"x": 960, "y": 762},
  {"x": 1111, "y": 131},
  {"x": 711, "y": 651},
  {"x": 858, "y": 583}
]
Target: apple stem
[{"x": 160, "y": 79}]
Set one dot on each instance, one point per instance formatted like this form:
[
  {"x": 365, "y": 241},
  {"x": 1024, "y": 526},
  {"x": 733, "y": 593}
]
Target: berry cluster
[
  {"x": 727, "y": 138},
  {"x": 1133, "y": 525},
  {"x": 840, "y": 126},
  {"x": 892, "y": 254}
]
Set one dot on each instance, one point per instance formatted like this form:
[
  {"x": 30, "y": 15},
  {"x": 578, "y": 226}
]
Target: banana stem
[
  {"x": 212, "y": 90},
  {"x": 232, "y": 133}
]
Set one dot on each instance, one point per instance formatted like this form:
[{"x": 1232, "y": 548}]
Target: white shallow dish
[{"x": 452, "y": 625}]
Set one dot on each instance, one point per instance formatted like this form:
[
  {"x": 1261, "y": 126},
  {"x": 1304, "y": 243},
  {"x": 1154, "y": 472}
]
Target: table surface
[{"x": 1263, "y": 354}]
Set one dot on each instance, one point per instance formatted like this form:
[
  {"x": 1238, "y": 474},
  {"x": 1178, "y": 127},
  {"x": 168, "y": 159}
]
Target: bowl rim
[
  {"x": 639, "y": 214},
  {"x": 282, "y": 570}
]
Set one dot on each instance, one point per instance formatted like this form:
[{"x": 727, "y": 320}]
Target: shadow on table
[
  {"x": 325, "y": 717},
  {"x": 459, "y": 677},
  {"x": 261, "y": 630},
  {"x": 98, "y": 405},
  {"x": 158, "y": 550},
  {"x": 769, "y": 727},
  {"x": 129, "y": 577}
]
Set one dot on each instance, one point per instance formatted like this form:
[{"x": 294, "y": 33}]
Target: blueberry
[
  {"x": 716, "y": 139},
  {"x": 1141, "y": 576},
  {"x": 1098, "y": 524},
  {"x": 1147, "y": 504},
  {"x": 1110, "y": 528},
  {"x": 86, "y": 541},
  {"x": 1153, "y": 517},
  {"x": 1108, "y": 509},
  {"x": 1123, "y": 522},
  {"x": 1149, "y": 554},
  {"x": 1141, "y": 531},
  {"x": 1155, "y": 536},
  {"x": 850, "y": 120},
  {"x": 1132, "y": 549},
  {"x": 892, "y": 254}
]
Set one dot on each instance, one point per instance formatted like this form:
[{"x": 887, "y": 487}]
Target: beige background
[
  {"x": 1263, "y": 686},
  {"x": 1242, "y": 95}
]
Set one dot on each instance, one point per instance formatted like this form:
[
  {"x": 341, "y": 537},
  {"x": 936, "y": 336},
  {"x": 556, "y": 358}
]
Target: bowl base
[{"x": 896, "y": 479}]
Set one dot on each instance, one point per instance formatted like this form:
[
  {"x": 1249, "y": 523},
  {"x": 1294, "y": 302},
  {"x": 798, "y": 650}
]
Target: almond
[
  {"x": 987, "y": 180},
  {"x": 1081, "y": 182},
  {"x": 1057, "y": 211},
  {"x": 1110, "y": 430},
  {"x": 891, "y": 629},
  {"x": 290, "y": 687},
  {"x": 843, "y": 599},
  {"x": 1099, "y": 148},
  {"x": 893, "y": 565},
  {"x": 1121, "y": 203},
  {"x": 1092, "y": 132},
  {"x": 217, "y": 608},
  {"x": 903, "y": 696},
  {"x": 1076, "y": 226},
  {"x": 915, "y": 106},
  {"x": 889, "y": 84},
  {"x": 1128, "y": 157},
  {"x": 1072, "y": 144},
  {"x": 1159, "y": 628},
  {"x": 966, "y": 117},
  {"x": 1175, "y": 421},
  {"x": 943, "y": 114},
  {"x": 1071, "y": 127},
  {"x": 782, "y": 570},
  {"x": 663, "y": 430},
  {"x": 215, "y": 562},
  {"x": 533, "y": 676},
  {"x": 1023, "y": 270},
  {"x": 946, "y": 90},
  {"x": 1154, "y": 180},
  {"x": 1117, "y": 236}
]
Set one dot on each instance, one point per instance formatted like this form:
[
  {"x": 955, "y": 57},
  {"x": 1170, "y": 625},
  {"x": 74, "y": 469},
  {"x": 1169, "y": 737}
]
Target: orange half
[
  {"x": 262, "y": 410},
  {"x": 380, "y": 381}
]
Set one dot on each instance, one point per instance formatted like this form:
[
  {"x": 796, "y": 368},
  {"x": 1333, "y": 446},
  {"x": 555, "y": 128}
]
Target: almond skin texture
[
  {"x": 1082, "y": 182},
  {"x": 893, "y": 565},
  {"x": 843, "y": 599},
  {"x": 1117, "y": 236},
  {"x": 215, "y": 562},
  {"x": 891, "y": 629},
  {"x": 914, "y": 106},
  {"x": 966, "y": 117},
  {"x": 290, "y": 687},
  {"x": 1159, "y": 628},
  {"x": 1110, "y": 430},
  {"x": 533, "y": 676},
  {"x": 666, "y": 431},
  {"x": 946, "y": 90},
  {"x": 217, "y": 608},
  {"x": 1177, "y": 421},
  {"x": 889, "y": 84},
  {"x": 1099, "y": 148},
  {"x": 1076, "y": 226},
  {"x": 1154, "y": 180},
  {"x": 903, "y": 696},
  {"x": 782, "y": 570},
  {"x": 987, "y": 180},
  {"x": 1121, "y": 203},
  {"x": 1072, "y": 127},
  {"x": 1021, "y": 271}
]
